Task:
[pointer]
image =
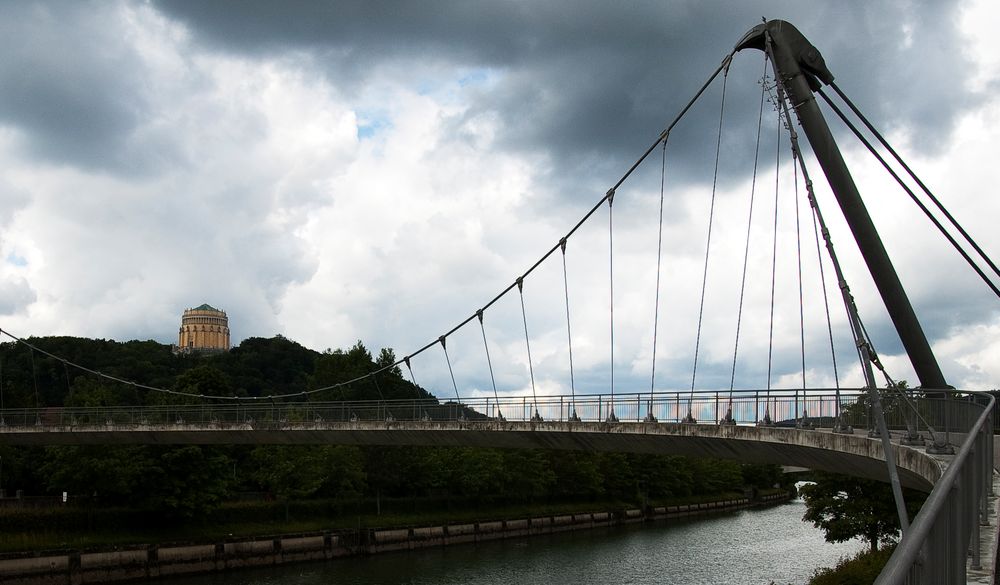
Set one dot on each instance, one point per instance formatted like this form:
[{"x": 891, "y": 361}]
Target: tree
[
  {"x": 92, "y": 392},
  {"x": 189, "y": 481},
  {"x": 527, "y": 474},
  {"x": 346, "y": 478},
  {"x": 295, "y": 472},
  {"x": 116, "y": 473},
  {"x": 289, "y": 472},
  {"x": 849, "y": 507}
]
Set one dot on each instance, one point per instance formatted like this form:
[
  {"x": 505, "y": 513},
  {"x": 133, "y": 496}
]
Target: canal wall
[{"x": 152, "y": 561}]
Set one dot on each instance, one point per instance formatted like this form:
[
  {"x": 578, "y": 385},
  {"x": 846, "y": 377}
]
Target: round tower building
[{"x": 204, "y": 329}]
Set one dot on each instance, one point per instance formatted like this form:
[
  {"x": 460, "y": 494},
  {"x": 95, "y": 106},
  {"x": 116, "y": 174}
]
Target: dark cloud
[
  {"x": 73, "y": 85},
  {"x": 590, "y": 84}
]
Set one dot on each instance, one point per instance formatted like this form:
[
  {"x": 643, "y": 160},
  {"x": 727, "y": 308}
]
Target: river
[{"x": 745, "y": 547}]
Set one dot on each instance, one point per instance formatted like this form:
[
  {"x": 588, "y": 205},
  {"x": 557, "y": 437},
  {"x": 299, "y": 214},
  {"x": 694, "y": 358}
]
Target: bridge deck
[{"x": 854, "y": 454}]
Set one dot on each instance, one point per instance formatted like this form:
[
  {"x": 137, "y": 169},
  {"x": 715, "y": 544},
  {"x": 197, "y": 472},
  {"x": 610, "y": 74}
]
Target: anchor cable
[
  {"x": 914, "y": 176},
  {"x": 920, "y": 204}
]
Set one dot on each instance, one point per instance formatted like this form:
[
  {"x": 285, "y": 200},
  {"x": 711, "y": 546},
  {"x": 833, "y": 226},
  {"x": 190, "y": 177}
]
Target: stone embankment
[{"x": 151, "y": 561}]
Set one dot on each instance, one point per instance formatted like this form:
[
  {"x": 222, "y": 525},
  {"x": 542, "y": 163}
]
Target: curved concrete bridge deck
[{"x": 854, "y": 454}]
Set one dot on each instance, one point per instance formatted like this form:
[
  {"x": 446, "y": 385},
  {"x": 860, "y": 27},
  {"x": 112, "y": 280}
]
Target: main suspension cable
[{"x": 722, "y": 67}]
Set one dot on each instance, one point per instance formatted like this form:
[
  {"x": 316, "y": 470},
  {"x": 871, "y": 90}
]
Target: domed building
[{"x": 204, "y": 329}]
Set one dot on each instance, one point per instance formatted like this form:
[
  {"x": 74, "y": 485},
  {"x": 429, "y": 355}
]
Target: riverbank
[{"x": 80, "y": 567}]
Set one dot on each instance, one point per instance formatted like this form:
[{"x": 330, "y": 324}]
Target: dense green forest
[{"x": 187, "y": 481}]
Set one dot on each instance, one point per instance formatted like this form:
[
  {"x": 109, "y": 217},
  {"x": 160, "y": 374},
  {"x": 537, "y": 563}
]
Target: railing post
[
  {"x": 990, "y": 451},
  {"x": 973, "y": 505}
]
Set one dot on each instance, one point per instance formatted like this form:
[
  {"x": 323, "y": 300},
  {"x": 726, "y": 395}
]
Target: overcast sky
[{"x": 335, "y": 172}]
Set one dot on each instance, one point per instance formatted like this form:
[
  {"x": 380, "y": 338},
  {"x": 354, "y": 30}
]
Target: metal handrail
[
  {"x": 746, "y": 407},
  {"x": 933, "y": 550},
  {"x": 816, "y": 408}
]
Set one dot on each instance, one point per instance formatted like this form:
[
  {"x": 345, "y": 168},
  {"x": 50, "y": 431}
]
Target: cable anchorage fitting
[
  {"x": 726, "y": 62},
  {"x": 610, "y": 196},
  {"x": 520, "y": 283},
  {"x": 562, "y": 245}
]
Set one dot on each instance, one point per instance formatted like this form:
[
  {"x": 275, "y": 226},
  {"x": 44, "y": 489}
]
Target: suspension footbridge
[{"x": 935, "y": 438}]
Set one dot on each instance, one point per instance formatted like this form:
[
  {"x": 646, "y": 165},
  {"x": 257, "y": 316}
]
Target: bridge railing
[
  {"x": 813, "y": 408},
  {"x": 935, "y": 549},
  {"x": 783, "y": 407}
]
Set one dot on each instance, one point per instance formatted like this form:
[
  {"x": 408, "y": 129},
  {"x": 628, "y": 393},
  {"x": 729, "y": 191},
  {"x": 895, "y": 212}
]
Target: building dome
[{"x": 203, "y": 329}]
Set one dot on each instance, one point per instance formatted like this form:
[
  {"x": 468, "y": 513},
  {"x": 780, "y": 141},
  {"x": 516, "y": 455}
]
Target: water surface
[{"x": 737, "y": 548}]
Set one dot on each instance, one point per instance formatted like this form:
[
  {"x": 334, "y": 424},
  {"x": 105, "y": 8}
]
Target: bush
[{"x": 860, "y": 570}]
